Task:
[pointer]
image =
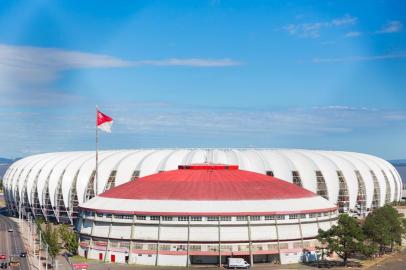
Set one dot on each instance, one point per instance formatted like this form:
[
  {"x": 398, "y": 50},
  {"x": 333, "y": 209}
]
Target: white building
[
  {"x": 203, "y": 214},
  {"x": 54, "y": 184}
]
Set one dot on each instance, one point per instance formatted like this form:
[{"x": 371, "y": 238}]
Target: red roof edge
[{"x": 208, "y": 166}]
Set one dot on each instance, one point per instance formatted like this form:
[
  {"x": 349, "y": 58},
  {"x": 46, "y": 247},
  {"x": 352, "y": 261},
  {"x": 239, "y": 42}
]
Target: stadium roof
[{"x": 208, "y": 182}]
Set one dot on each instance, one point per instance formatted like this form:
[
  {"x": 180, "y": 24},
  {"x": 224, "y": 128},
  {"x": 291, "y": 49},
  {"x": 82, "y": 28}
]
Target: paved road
[
  {"x": 11, "y": 242},
  {"x": 396, "y": 262}
]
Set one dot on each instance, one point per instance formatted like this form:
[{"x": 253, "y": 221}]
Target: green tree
[
  {"x": 50, "y": 237},
  {"x": 384, "y": 227},
  {"x": 344, "y": 239},
  {"x": 69, "y": 238}
]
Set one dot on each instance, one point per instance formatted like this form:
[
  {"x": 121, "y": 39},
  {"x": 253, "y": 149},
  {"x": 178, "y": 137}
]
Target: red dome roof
[{"x": 207, "y": 182}]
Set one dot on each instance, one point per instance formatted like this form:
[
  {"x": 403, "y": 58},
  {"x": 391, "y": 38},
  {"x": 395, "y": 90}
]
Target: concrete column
[
  {"x": 188, "y": 242},
  {"x": 277, "y": 238},
  {"x": 108, "y": 238},
  {"x": 329, "y": 216},
  {"x": 249, "y": 240},
  {"x": 157, "y": 242},
  {"x": 219, "y": 235},
  {"x": 91, "y": 231},
  {"x": 130, "y": 255},
  {"x": 300, "y": 229}
]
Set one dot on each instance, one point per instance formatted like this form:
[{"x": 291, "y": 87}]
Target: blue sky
[{"x": 303, "y": 74}]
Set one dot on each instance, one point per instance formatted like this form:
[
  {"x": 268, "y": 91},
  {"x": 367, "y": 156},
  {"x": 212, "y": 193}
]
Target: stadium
[
  {"x": 203, "y": 214},
  {"x": 56, "y": 185}
]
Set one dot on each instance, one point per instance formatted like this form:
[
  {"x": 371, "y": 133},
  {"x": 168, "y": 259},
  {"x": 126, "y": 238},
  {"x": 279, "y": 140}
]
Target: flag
[{"x": 104, "y": 122}]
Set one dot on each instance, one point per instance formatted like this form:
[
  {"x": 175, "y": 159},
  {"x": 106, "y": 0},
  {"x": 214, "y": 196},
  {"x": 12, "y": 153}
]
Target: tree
[
  {"x": 50, "y": 237},
  {"x": 384, "y": 227},
  {"x": 69, "y": 238},
  {"x": 344, "y": 239}
]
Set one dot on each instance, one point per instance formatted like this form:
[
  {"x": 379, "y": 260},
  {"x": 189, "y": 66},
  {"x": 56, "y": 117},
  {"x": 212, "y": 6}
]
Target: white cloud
[
  {"x": 192, "y": 62},
  {"x": 313, "y": 29},
  {"x": 353, "y": 34},
  {"x": 346, "y": 20},
  {"x": 359, "y": 58},
  {"x": 22, "y": 65},
  {"x": 391, "y": 27},
  {"x": 154, "y": 123}
]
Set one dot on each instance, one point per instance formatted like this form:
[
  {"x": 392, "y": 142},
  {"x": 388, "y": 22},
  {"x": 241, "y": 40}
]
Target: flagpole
[{"x": 97, "y": 153}]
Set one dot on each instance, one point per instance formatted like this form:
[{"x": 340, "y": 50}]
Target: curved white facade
[{"x": 53, "y": 184}]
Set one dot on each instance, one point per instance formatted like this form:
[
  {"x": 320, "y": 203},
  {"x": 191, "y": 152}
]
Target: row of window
[
  {"x": 210, "y": 218},
  {"x": 199, "y": 247}
]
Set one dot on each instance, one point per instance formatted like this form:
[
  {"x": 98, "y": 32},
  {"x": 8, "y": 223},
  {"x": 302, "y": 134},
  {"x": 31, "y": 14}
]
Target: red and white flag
[{"x": 104, "y": 122}]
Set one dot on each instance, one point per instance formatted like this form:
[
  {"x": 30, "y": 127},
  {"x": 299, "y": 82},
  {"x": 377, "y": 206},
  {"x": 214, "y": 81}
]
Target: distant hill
[
  {"x": 401, "y": 162},
  {"x": 6, "y": 160},
  {"x": 4, "y": 164}
]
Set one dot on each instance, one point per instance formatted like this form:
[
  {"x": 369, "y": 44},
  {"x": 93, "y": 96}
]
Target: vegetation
[
  {"x": 384, "y": 228},
  {"x": 50, "y": 237},
  {"x": 381, "y": 231},
  {"x": 344, "y": 239},
  {"x": 69, "y": 239}
]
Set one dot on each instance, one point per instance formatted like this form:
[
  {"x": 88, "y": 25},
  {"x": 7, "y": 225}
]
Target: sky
[{"x": 278, "y": 74}]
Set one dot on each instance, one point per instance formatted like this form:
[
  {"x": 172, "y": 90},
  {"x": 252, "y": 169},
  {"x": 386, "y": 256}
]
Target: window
[
  {"x": 255, "y": 218},
  {"x": 111, "y": 182},
  {"x": 377, "y": 194},
  {"x": 154, "y": 218},
  {"x": 165, "y": 218},
  {"x": 302, "y": 216},
  {"x": 361, "y": 203},
  {"x": 312, "y": 215},
  {"x": 242, "y": 218},
  {"x": 99, "y": 214},
  {"x": 195, "y": 247},
  {"x": 135, "y": 175},
  {"x": 141, "y": 217},
  {"x": 196, "y": 218},
  {"x": 296, "y": 178},
  {"x": 326, "y": 214},
  {"x": 212, "y": 218},
  {"x": 183, "y": 218},
  {"x": 152, "y": 246},
  {"x": 294, "y": 216},
  {"x": 124, "y": 217},
  {"x": 273, "y": 247},
  {"x": 280, "y": 217},
  {"x": 388, "y": 190},
  {"x": 394, "y": 180},
  {"x": 269, "y": 173},
  {"x": 90, "y": 187},
  {"x": 269, "y": 217},
  {"x": 318, "y": 214},
  {"x": 138, "y": 246},
  {"x": 226, "y": 248},
  {"x": 165, "y": 247},
  {"x": 108, "y": 215},
  {"x": 212, "y": 248},
  {"x": 321, "y": 185},
  {"x": 343, "y": 198},
  {"x": 225, "y": 218}
]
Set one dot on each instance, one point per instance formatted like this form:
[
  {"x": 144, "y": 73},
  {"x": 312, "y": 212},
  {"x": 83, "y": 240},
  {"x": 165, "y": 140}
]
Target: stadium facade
[
  {"x": 203, "y": 214},
  {"x": 53, "y": 185}
]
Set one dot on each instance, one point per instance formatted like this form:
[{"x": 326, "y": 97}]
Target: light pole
[
  {"x": 46, "y": 256},
  {"x": 39, "y": 251}
]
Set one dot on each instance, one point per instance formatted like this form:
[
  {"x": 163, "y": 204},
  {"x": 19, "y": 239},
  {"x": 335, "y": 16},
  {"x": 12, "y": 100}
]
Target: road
[{"x": 11, "y": 242}]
